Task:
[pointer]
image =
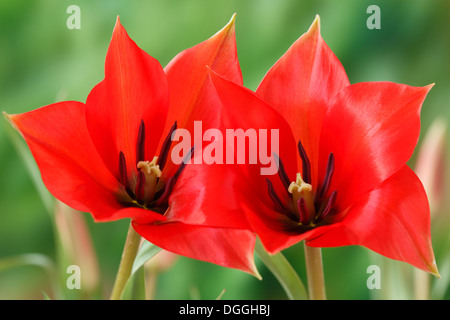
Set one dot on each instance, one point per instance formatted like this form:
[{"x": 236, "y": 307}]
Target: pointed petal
[
  {"x": 70, "y": 166},
  {"x": 192, "y": 96},
  {"x": 134, "y": 89},
  {"x": 372, "y": 129},
  {"x": 300, "y": 86},
  {"x": 263, "y": 121},
  {"x": 188, "y": 76},
  {"x": 229, "y": 248},
  {"x": 393, "y": 220}
]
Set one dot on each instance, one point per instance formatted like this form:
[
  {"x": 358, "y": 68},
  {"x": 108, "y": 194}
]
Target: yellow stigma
[
  {"x": 299, "y": 186},
  {"x": 150, "y": 167}
]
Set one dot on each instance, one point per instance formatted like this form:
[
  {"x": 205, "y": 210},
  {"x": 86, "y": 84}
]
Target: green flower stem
[
  {"x": 130, "y": 251},
  {"x": 314, "y": 272},
  {"x": 283, "y": 271}
]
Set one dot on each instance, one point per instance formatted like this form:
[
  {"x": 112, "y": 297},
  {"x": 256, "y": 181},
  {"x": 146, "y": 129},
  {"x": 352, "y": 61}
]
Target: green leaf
[
  {"x": 284, "y": 272},
  {"x": 135, "y": 288},
  {"x": 33, "y": 259},
  {"x": 46, "y": 296},
  {"x": 146, "y": 252}
]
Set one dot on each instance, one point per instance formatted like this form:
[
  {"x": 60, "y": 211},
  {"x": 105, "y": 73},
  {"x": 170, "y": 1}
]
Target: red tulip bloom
[
  {"x": 343, "y": 148},
  {"x": 110, "y": 156}
]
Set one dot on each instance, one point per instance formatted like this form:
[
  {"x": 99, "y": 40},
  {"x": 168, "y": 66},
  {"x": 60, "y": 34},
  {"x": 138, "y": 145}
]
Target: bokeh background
[{"x": 42, "y": 61}]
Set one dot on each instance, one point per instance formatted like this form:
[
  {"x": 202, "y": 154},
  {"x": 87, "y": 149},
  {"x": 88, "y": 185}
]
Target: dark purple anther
[
  {"x": 327, "y": 179},
  {"x": 273, "y": 195},
  {"x": 282, "y": 174},
  {"x": 330, "y": 204},
  {"x": 306, "y": 165},
  {"x": 166, "y": 147},
  {"x": 140, "y": 144}
]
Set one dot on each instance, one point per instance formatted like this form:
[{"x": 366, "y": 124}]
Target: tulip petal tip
[
  {"x": 433, "y": 269},
  {"x": 315, "y": 26},
  {"x": 428, "y": 87},
  {"x": 233, "y": 18},
  {"x": 9, "y": 118},
  {"x": 256, "y": 274}
]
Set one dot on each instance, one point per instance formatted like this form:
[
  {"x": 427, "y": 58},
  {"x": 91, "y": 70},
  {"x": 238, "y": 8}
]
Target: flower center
[
  {"x": 147, "y": 180},
  {"x": 302, "y": 196},
  {"x": 305, "y": 207},
  {"x": 144, "y": 187}
]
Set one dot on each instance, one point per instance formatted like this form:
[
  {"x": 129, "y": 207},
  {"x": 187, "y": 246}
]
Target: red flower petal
[
  {"x": 134, "y": 89},
  {"x": 258, "y": 116},
  {"x": 372, "y": 129},
  {"x": 192, "y": 96},
  {"x": 230, "y": 248},
  {"x": 300, "y": 86},
  {"x": 69, "y": 164},
  {"x": 187, "y": 75},
  {"x": 393, "y": 220},
  {"x": 208, "y": 195}
]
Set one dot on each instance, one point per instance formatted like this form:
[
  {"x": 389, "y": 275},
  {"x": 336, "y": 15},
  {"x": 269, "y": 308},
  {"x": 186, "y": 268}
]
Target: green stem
[
  {"x": 314, "y": 272},
  {"x": 130, "y": 251},
  {"x": 283, "y": 271}
]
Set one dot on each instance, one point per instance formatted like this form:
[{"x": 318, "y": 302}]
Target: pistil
[
  {"x": 303, "y": 198},
  {"x": 142, "y": 183},
  {"x": 147, "y": 180}
]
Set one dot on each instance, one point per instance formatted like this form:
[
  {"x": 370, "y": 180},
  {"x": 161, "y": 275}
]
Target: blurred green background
[{"x": 42, "y": 61}]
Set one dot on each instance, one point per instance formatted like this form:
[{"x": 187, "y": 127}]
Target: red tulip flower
[
  {"x": 343, "y": 148},
  {"x": 110, "y": 156}
]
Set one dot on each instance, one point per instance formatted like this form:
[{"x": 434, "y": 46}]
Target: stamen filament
[
  {"x": 140, "y": 187},
  {"x": 303, "y": 211}
]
